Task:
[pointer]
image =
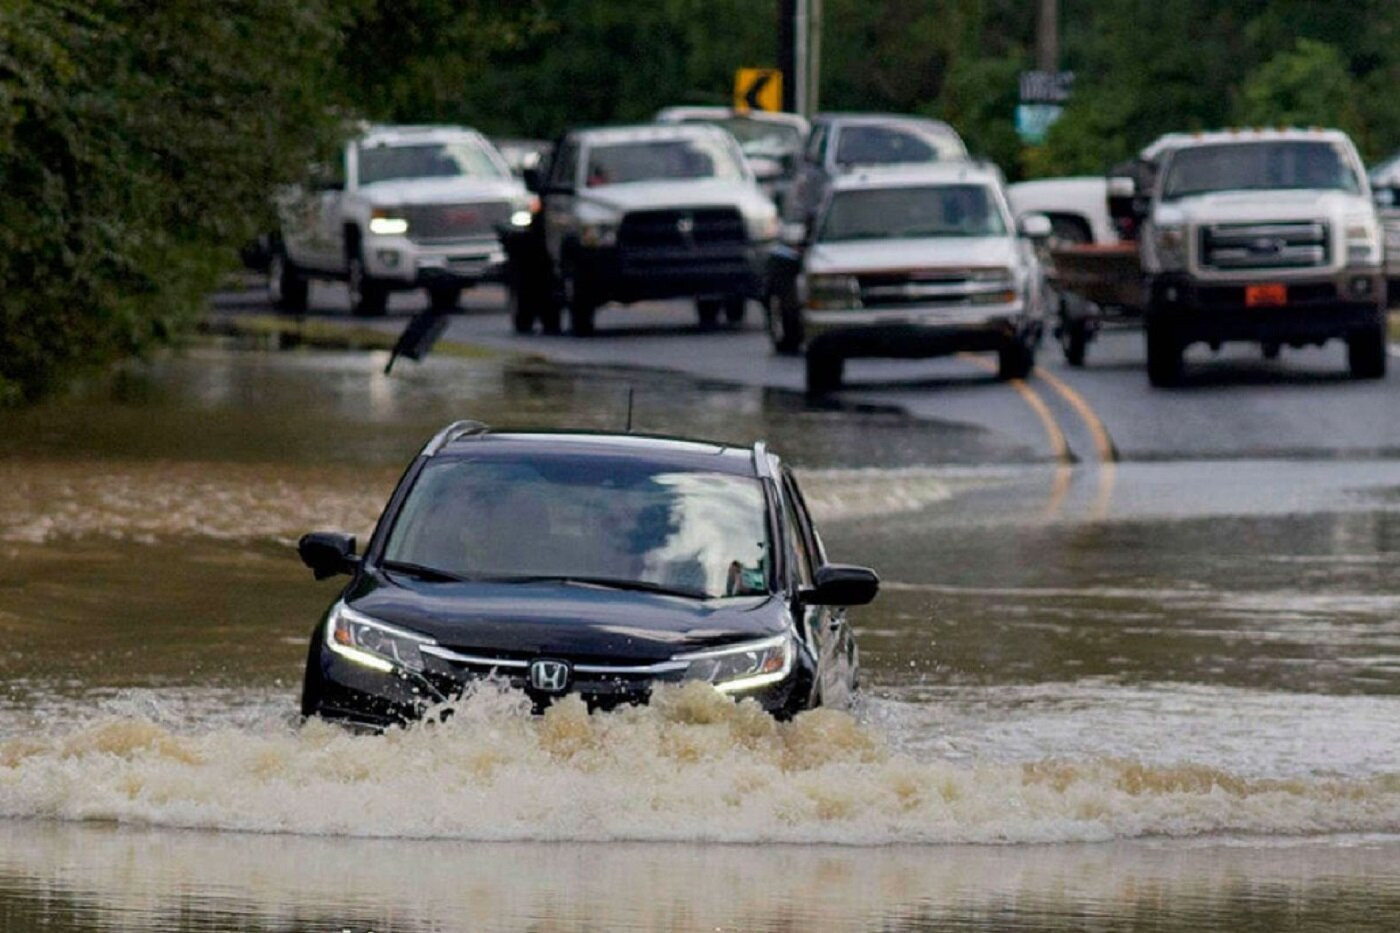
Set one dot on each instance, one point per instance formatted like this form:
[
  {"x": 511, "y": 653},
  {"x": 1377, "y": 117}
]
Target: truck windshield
[
  {"x": 762, "y": 137},
  {"x": 876, "y": 144},
  {"x": 623, "y": 163},
  {"x": 1258, "y": 166},
  {"x": 426, "y": 160},
  {"x": 699, "y": 533},
  {"x": 926, "y": 211}
]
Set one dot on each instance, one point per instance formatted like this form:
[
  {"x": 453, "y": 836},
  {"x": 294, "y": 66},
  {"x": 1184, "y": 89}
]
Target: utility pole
[
  {"x": 814, "y": 66},
  {"x": 801, "y": 27},
  {"x": 1047, "y": 36},
  {"x": 787, "y": 52}
]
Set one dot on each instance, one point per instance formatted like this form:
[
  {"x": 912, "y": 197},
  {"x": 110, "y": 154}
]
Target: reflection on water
[{"x": 1182, "y": 650}]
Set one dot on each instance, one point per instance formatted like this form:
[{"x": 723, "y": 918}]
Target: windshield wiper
[
  {"x": 423, "y": 572},
  {"x": 612, "y": 583}
]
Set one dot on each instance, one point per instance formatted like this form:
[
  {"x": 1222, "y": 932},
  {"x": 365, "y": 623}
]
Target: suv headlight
[
  {"x": 378, "y": 645},
  {"x": 598, "y": 233},
  {"x": 1363, "y": 241},
  {"x": 827, "y": 292},
  {"x": 745, "y": 666},
  {"x": 385, "y": 221},
  {"x": 1170, "y": 243}
]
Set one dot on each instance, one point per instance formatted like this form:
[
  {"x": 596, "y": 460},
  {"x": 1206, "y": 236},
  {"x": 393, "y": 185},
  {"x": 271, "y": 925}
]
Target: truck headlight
[
  {"x": 745, "y": 666},
  {"x": 522, "y": 212},
  {"x": 1170, "y": 243},
  {"x": 1363, "y": 241},
  {"x": 833, "y": 292},
  {"x": 384, "y": 222},
  {"x": 374, "y": 644},
  {"x": 598, "y": 234}
]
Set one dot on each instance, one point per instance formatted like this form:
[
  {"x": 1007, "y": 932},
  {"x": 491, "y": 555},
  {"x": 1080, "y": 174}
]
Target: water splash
[{"x": 693, "y": 766}]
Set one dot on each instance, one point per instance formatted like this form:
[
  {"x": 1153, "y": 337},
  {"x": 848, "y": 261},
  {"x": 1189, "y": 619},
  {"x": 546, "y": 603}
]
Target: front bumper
[
  {"x": 405, "y": 263},
  {"x": 916, "y": 332},
  {"x": 1317, "y": 308},
  {"x": 352, "y": 693},
  {"x": 634, "y": 273}
]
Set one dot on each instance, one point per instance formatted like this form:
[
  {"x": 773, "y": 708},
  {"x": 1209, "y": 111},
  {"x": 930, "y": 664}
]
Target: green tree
[{"x": 1307, "y": 85}]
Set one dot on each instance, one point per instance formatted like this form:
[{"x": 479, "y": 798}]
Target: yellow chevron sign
[{"x": 758, "y": 89}]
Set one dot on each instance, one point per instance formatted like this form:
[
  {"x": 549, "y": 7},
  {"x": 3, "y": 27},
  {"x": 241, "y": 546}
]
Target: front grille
[
  {"x": 430, "y": 223},
  {"x": 695, "y": 229},
  {"x": 1285, "y": 245},
  {"x": 928, "y": 287}
]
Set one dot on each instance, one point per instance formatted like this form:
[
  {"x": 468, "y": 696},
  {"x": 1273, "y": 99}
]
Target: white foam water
[{"x": 693, "y": 766}]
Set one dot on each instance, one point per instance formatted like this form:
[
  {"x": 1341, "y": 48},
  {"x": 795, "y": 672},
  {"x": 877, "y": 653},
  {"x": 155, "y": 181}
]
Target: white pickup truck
[
  {"x": 408, "y": 207},
  {"x": 1268, "y": 236}
]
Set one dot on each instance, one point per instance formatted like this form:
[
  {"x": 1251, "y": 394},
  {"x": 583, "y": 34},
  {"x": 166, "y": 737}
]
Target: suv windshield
[
  {"x": 426, "y": 160},
  {"x": 1258, "y": 166},
  {"x": 930, "y": 211},
  {"x": 621, "y": 163},
  {"x": 888, "y": 145},
  {"x": 604, "y": 519},
  {"x": 762, "y": 137}
]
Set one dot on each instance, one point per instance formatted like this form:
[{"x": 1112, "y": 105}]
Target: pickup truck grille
[
  {"x": 927, "y": 287},
  {"x": 433, "y": 223},
  {"x": 682, "y": 229},
  {"x": 1287, "y": 245}
]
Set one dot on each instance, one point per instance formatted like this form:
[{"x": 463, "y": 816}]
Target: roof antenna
[{"x": 630, "y": 392}]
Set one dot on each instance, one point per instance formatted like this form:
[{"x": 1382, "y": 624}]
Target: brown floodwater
[{"x": 1155, "y": 696}]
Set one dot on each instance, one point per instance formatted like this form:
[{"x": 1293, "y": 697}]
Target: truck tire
[
  {"x": 707, "y": 311},
  {"x": 287, "y": 288},
  {"x": 1367, "y": 352},
  {"x": 1164, "y": 352},
  {"x": 444, "y": 298},
  {"x": 784, "y": 318},
  {"x": 1015, "y": 360},
  {"x": 735, "y": 308},
  {"x": 368, "y": 298},
  {"x": 1074, "y": 340},
  {"x": 824, "y": 371}
]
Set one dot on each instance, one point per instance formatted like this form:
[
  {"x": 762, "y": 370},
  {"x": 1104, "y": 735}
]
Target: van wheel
[
  {"x": 1164, "y": 351},
  {"x": 1366, "y": 352}
]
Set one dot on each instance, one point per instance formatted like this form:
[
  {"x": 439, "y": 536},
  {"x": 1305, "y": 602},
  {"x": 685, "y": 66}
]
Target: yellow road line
[
  {"x": 1103, "y": 444},
  {"x": 1037, "y": 404}
]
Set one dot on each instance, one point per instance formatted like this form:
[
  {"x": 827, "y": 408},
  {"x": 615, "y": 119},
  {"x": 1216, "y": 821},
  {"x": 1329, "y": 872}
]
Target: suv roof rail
[
  {"x": 761, "y": 464},
  {"x": 452, "y": 432}
]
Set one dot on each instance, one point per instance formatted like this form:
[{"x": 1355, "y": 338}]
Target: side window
[
  {"x": 562, "y": 172},
  {"x": 797, "y": 547},
  {"x": 815, "y": 548}
]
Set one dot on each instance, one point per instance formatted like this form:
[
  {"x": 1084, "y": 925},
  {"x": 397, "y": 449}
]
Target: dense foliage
[{"x": 139, "y": 138}]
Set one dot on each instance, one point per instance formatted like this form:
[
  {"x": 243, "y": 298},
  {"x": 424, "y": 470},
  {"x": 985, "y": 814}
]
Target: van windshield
[{"x": 1259, "y": 166}]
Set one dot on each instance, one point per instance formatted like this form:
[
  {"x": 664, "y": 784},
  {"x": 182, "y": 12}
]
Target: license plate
[{"x": 1265, "y": 296}]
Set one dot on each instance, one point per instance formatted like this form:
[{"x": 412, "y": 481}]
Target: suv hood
[
  {"x": 1254, "y": 206},
  {"x": 561, "y": 619},
  {"x": 946, "y": 252},
  {"x": 673, "y": 193},
  {"x": 456, "y": 190}
]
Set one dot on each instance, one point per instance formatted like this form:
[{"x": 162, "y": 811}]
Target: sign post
[{"x": 758, "y": 89}]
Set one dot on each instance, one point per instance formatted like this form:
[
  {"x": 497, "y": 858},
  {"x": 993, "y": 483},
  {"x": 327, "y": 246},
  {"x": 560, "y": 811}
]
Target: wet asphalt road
[{"x": 1234, "y": 405}]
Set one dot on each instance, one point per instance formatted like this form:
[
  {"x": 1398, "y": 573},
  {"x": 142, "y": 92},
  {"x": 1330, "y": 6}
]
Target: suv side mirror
[
  {"x": 328, "y": 553},
  {"x": 1035, "y": 227},
  {"x": 842, "y": 585}
]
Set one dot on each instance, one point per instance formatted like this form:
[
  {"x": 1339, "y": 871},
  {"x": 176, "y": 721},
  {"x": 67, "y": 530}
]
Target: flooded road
[{"x": 1158, "y": 696}]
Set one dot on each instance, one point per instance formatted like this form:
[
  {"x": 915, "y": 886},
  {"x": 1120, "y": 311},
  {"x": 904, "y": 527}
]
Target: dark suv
[{"x": 594, "y": 564}]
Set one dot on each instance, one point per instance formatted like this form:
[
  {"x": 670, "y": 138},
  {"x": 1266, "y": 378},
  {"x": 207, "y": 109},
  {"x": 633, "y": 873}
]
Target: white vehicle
[
  {"x": 654, "y": 211},
  {"x": 1267, "y": 236},
  {"x": 409, "y": 207},
  {"x": 1385, "y": 186},
  {"x": 910, "y": 262},
  {"x": 771, "y": 141},
  {"x": 1077, "y": 207}
]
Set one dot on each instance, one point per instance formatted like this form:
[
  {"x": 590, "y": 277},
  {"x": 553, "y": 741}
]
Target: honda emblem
[{"x": 549, "y": 676}]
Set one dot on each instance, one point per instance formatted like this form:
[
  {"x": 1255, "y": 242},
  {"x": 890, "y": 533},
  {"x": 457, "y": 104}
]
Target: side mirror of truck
[{"x": 1035, "y": 227}]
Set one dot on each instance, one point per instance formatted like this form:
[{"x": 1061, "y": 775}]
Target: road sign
[
  {"x": 1046, "y": 87},
  {"x": 1033, "y": 121},
  {"x": 758, "y": 89}
]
